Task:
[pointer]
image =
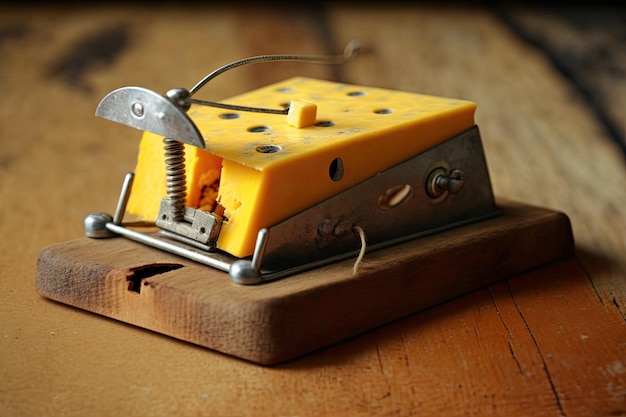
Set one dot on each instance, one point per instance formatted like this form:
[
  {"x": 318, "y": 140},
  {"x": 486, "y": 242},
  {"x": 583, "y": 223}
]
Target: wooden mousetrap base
[{"x": 277, "y": 321}]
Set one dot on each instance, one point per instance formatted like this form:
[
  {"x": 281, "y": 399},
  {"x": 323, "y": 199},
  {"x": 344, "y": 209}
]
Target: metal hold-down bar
[{"x": 171, "y": 247}]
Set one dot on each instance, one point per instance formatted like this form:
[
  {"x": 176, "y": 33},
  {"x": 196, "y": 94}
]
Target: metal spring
[{"x": 175, "y": 176}]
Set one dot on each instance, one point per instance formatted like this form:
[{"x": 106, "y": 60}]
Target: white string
[{"x": 361, "y": 233}]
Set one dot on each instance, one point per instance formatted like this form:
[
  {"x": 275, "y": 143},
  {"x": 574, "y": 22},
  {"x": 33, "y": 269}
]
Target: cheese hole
[
  {"x": 356, "y": 93},
  {"x": 268, "y": 149},
  {"x": 335, "y": 170},
  {"x": 230, "y": 116},
  {"x": 383, "y": 111},
  {"x": 325, "y": 123},
  {"x": 258, "y": 129},
  {"x": 393, "y": 196},
  {"x": 284, "y": 90}
]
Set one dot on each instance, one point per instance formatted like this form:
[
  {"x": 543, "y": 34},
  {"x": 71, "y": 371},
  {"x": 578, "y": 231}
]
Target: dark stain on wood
[
  {"x": 95, "y": 50},
  {"x": 594, "y": 67},
  {"x": 12, "y": 32}
]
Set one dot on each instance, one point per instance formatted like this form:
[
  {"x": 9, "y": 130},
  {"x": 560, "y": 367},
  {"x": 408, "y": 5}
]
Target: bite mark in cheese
[
  {"x": 149, "y": 183},
  {"x": 271, "y": 170}
]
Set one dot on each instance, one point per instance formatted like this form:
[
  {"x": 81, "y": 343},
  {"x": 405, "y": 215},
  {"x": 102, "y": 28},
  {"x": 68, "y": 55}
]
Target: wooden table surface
[{"x": 550, "y": 91}]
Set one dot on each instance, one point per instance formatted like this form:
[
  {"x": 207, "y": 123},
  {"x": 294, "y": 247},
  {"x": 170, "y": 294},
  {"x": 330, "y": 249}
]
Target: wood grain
[
  {"x": 595, "y": 68},
  {"x": 517, "y": 348},
  {"x": 535, "y": 132},
  {"x": 282, "y": 320}
]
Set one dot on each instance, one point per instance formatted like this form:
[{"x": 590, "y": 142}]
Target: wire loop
[{"x": 350, "y": 51}]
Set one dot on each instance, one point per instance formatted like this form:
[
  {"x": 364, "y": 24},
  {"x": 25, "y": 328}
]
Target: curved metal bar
[
  {"x": 351, "y": 50},
  {"x": 144, "y": 109}
]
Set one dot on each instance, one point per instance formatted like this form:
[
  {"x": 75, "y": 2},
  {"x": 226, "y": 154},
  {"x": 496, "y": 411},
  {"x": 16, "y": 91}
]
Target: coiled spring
[{"x": 175, "y": 176}]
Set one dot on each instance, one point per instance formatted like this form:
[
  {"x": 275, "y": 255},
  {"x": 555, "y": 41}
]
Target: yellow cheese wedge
[{"x": 268, "y": 170}]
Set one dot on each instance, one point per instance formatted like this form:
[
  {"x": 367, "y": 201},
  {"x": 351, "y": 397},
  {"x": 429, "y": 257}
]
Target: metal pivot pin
[{"x": 441, "y": 181}]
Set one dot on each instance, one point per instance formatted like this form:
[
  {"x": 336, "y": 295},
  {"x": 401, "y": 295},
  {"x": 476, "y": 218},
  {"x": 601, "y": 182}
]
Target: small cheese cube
[{"x": 302, "y": 113}]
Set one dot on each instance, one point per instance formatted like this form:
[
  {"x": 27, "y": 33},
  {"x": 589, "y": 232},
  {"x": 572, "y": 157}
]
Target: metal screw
[
  {"x": 137, "y": 109},
  {"x": 325, "y": 228},
  {"x": 440, "y": 181},
  {"x": 455, "y": 181},
  {"x": 342, "y": 228}
]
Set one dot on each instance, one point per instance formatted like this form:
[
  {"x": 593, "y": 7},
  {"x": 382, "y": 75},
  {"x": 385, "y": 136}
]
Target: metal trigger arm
[{"x": 183, "y": 98}]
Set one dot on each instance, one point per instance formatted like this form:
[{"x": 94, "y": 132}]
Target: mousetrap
[{"x": 294, "y": 216}]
